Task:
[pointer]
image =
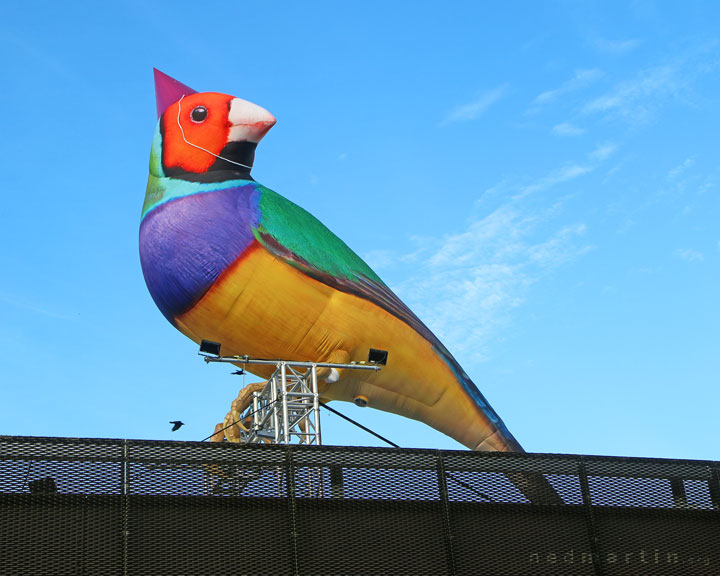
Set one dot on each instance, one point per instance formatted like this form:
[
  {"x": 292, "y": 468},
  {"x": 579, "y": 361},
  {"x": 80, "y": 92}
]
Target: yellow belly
[{"x": 265, "y": 308}]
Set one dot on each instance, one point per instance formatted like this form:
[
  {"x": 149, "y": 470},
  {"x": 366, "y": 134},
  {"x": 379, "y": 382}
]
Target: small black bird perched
[{"x": 176, "y": 424}]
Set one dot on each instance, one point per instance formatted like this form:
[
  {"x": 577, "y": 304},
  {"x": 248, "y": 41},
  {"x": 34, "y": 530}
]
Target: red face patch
[{"x": 204, "y": 121}]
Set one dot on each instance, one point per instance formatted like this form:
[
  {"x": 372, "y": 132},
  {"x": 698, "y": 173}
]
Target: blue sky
[{"x": 537, "y": 180}]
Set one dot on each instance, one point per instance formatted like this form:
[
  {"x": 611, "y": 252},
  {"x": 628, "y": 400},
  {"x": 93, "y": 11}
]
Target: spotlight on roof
[
  {"x": 377, "y": 356},
  {"x": 209, "y": 348}
]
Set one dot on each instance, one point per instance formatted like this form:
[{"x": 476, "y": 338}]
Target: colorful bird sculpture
[{"x": 227, "y": 259}]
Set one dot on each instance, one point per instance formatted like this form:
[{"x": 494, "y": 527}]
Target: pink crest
[{"x": 168, "y": 91}]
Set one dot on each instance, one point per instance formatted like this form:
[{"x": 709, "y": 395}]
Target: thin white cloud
[
  {"x": 689, "y": 255},
  {"x": 465, "y": 285},
  {"x": 554, "y": 251},
  {"x": 32, "y": 307},
  {"x": 603, "y": 152},
  {"x": 580, "y": 79},
  {"x": 566, "y": 129},
  {"x": 678, "y": 170},
  {"x": 636, "y": 100},
  {"x": 615, "y": 47},
  {"x": 477, "y": 107},
  {"x": 380, "y": 259},
  {"x": 564, "y": 174},
  {"x": 570, "y": 171},
  {"x": 468, "y": 246}
]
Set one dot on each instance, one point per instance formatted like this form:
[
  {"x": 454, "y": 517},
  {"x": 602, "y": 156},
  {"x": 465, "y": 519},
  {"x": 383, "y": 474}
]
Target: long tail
[
  {"x": 502, "y": 439},
  {"x": 534, "y": 486}
]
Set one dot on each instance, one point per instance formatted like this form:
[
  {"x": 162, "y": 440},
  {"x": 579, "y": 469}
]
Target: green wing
[{"x": 302, "y": 241}]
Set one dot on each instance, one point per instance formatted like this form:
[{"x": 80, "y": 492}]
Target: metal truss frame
[{"x": 287, "y": 409}]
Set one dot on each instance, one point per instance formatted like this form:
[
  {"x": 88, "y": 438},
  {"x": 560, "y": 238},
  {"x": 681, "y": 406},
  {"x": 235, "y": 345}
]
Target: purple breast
[{"x": 186, "y": 243}]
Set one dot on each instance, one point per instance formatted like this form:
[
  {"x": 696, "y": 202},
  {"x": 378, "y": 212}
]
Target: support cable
[
  {"x": 358, "y": 425},
  {"x": 462, "y": 483}
]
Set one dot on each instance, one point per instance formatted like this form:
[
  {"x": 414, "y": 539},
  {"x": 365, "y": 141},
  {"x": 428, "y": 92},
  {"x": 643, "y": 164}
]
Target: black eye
[{"x": 199, "y": 114}]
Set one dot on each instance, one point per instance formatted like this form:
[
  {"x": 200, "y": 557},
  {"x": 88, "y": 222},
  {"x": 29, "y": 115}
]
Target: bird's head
[{"x": 205, "y": 134}]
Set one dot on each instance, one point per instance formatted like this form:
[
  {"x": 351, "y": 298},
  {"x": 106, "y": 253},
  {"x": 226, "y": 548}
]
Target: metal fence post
[
  {"x": 125, "y": 478},
  {"x": 590, "y": 514},
  {"x": 291, "y": 493},
  {"x": 442, "y": 484},
  {"x": 714, "y": 485}
]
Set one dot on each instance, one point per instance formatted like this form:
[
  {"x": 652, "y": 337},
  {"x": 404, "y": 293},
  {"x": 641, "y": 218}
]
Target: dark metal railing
[{"x": 132, "y": 507}]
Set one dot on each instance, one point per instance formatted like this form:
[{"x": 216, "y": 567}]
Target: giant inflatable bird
[{"x": 229, "y": 260}]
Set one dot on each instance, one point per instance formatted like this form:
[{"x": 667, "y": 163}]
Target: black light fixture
[
  {"x": 209, "y": 348},
  {"x": 377, "y": 356}
]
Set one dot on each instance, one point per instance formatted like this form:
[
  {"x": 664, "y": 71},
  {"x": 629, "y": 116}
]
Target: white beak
[{"x": 249, "y": 121}]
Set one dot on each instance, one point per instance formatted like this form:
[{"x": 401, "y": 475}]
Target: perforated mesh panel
[
  {"x": 105, "y": 507},
  {"x": 60, "y": 502}
]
